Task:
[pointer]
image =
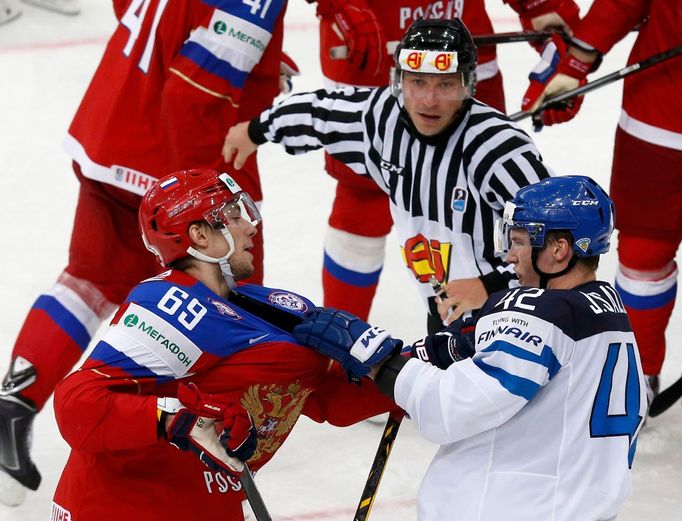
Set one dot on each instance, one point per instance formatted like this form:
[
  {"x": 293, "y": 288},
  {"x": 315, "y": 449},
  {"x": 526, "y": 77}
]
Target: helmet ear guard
[{"x": 436, "y": 47}]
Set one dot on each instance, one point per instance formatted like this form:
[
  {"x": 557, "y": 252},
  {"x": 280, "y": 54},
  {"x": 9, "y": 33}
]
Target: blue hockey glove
[
  {"x": 454, "y": 343},
  {"x": 347, "y": 339}
]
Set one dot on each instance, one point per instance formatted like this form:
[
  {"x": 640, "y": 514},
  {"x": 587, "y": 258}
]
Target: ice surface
[{"x": 46, "y": 61}]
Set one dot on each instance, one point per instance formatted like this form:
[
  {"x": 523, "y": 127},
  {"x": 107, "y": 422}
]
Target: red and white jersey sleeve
[
  {"x": 171, "y": 83},
  {"x": 395, "y": 17},
  {"x": 652, "y": 99}
]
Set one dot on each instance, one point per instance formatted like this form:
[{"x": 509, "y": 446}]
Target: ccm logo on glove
[{"x": 368, "y": 343}]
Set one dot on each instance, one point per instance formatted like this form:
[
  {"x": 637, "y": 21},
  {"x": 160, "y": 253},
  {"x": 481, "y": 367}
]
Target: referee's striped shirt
[{"x": 446, "y": 191}]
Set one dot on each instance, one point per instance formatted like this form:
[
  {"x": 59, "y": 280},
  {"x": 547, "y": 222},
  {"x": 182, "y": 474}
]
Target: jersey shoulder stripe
[
  {"x": 515, "y": 384},
  {"x": 259, "y": 14},
  {"x": 579, "y": 313}
]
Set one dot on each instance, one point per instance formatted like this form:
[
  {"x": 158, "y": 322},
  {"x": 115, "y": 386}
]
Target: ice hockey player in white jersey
[{"x": 541, "y": 422}]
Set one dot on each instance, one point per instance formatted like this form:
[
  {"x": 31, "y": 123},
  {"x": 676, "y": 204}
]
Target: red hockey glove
[
  {"x": 540, "y": 15},
  {"x": 556, "y": 72},
  {"x": 222, "y": 436},
  {"x": 287, "y": 70},
  {"x": 360, "y": 29}
]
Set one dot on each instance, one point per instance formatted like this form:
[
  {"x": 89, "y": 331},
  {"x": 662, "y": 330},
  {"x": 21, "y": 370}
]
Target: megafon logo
[
  {"x": 220, "y": 27},
  {"x": 415, "y": 59},
  {"x": 443, "y": 61},
  {"x": 131, "y": 320}
]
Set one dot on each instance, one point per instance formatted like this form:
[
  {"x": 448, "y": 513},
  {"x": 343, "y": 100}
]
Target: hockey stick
[
  {"x": 340, "y": 52},
  {"x": 275, "y": 315},
  {"x": 376, "y": 471},
  {"x": 287, "y": 321},
  {"x": 666, "y": 398},
  {"x": 557, "y": 101},
  {"x": 253, "y": 496}
]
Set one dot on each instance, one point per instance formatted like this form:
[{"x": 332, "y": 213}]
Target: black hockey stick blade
[
  {"x": 376, "y": 472},
  {"x": 666, "y": 398},
  {"x": 562, "y": 98},
  {"x": 275, "y": 315},
  {"x": 513, "y": 37},
  {"x": 253, "y": 496}
]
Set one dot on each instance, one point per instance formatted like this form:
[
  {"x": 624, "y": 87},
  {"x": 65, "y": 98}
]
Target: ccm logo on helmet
[{"x": 585, "y": 203}]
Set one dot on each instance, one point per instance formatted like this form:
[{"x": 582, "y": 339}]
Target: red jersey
[
  {"x": 118, "y": 469},
  {"x": 171, "y": 83},
  {"x": 652, "y": 99},
  {"x": 395, "y": 17},
  {"x": 172, "y": 328}
]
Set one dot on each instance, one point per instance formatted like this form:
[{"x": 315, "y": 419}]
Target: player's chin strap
[
  {"x": 225, "y": 267},
  {"x": 545, "y": 277}
]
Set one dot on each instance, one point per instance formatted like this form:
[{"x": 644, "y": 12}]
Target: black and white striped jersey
[{"x": 446, "y": 191}]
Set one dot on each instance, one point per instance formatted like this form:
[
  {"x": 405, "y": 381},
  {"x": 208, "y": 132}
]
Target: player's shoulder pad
[
  {"x": 287, "y": 300},
  {"x": 153, "y": 288},
  {"x": 579, "y": 313}
]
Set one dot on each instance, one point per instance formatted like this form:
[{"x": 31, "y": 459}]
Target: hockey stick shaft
[
  {"x": 253, "y": 496},
  {"x": 340, "y": 52},
  {"x": 600, "y": 82},
  {"x": 276, "y": 316},
  {"x": 666, "y": 398},
  {"x": 376, "y": 472}
]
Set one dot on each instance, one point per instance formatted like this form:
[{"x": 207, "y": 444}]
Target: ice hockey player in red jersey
[
  {"x": 187, "y": 326},
  {"x": 360, "y": 218},
  {"x": 645, "y": 177},
  {"x": 170, "y": 81}
]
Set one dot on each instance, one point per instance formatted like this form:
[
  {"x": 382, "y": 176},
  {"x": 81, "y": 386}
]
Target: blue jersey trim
[
  {"x": 65, "y": 320},
  {"x": 546, "y": 357},
  {"x": 242, "y": 10},
  {"x": 209, "y": 62},
  {"x": 514, "y": 384},
  {"x": 648, "y": 302},
  {"x": 105, "y": 353},
  {"x": 353, "y": 278}
]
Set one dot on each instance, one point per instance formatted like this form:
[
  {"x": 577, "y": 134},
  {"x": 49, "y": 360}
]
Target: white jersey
[
  {"x": 541, "y": 424},
  {"x": 446, "y": 191}
]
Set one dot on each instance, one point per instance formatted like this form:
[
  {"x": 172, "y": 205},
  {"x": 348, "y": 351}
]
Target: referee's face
[{"x": 432, "y": 100}]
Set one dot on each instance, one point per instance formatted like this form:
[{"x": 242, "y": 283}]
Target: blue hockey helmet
[{"x": 573, "y": 203}]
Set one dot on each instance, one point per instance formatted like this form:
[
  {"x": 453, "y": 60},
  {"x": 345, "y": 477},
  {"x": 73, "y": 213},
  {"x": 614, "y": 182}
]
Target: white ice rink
[{"x": 46, "y": 61}]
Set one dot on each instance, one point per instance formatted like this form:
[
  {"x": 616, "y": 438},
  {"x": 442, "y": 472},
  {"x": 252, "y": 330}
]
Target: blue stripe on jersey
[
  {"x": 514, "y": 384},
  {"x": 262, "y": 13},
  {"x": 209, "y": 62},
  {"x": 66, "y": 320},
  {"x": 546, "y": 358},
  {"x": 648, "y": 302},
  {"x": 353, "y": 278},
  {"x": 105, "y": 353}
]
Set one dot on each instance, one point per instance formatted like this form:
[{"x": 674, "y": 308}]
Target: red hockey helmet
[{"x": 182, "y": 198}]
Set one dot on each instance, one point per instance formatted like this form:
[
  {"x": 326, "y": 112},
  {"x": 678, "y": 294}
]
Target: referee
[{"x": 447, "y": 161}]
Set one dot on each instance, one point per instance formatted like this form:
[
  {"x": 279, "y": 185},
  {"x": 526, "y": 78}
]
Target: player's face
[
  {"x": 433, "y": 100},
  {"x": 241, "y": 261},
  {"x": 519, "y": 254}
]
